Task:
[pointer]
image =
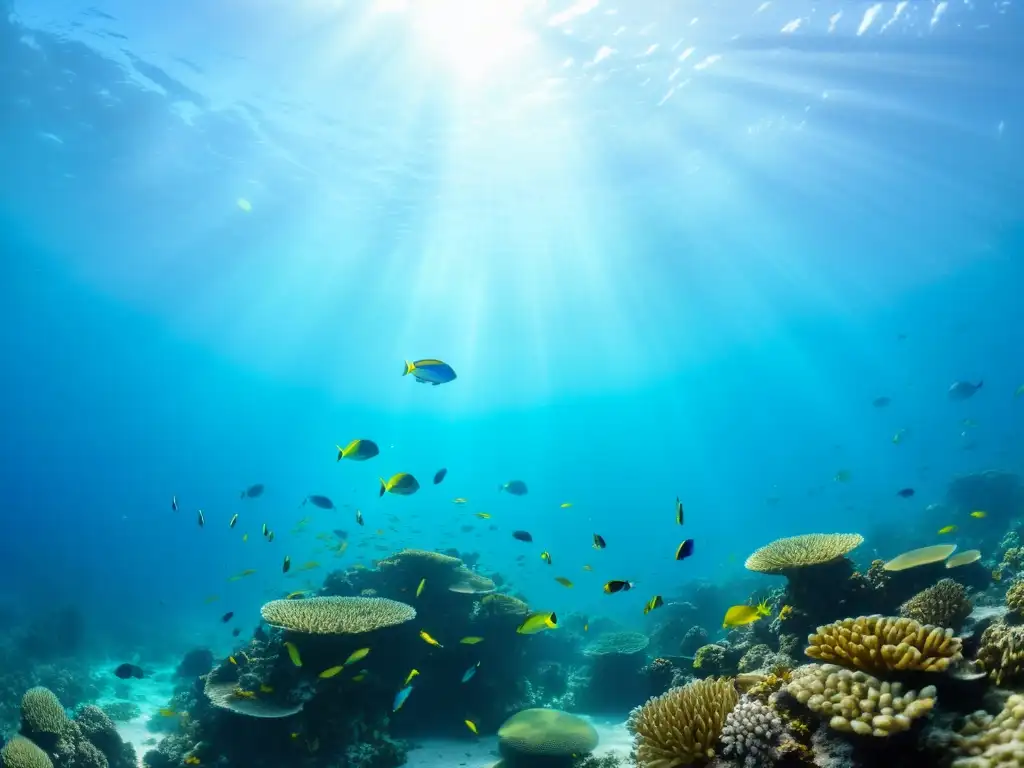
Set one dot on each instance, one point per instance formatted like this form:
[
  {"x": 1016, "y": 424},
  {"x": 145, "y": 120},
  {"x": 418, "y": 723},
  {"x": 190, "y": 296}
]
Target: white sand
[
  {"x": 151, "y": 694},
  {"x": 483, "y": 752}
]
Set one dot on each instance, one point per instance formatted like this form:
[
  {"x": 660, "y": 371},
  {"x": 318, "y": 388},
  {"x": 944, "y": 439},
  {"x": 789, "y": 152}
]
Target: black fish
[
  {"x": 515, "y": 487},
  {"x": 439, "y": 476},
  {"x": 881, "y": 402},
  {"x": 340, "y": 533},
  {"x": 684, "y": 550},
  {"x": 599, "y": 541},
  {"x": 906, "y": 493},
  {"x": 617, "y": 586},
  {"x": 320, "y": 501},
  {"x": 253, "y": 491},
  {"x": 128, "y": 671},
  {"x": 236, "y": 632},
  {"x": 227, "y": 616},
  {"x": 522, "y": 536}
]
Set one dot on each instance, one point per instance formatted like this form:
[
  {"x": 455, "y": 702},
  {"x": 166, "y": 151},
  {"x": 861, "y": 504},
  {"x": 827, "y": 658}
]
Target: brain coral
[
  {"x": 987, "y": 742},
  {"x": 42, "y": 712},
  {"x": 857, "y": 702},
  {"x": 784, "y": 555},
  {"x": 545, "y": 733},
  {"x": 336, "y": 615},
  {"x": 944, "y": 604},
  {"x": 681, "y": 726},
  {"x": 618, "y": 644},
  {"x": 878, "y": 643},
  {"x": 20, "y": 752}
]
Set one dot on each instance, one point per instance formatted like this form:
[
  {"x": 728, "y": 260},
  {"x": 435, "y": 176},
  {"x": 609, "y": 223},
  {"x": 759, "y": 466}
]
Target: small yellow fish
[
  {"x": 563, "y": 581},
  {"x": 295, "y": 594},
  {"x": 978, "y": 514},
  {"x": 472, "y": 726},
  {"x": 264, "y": 688},
  {"x": 483, "y": 515},
  {"x": 565, "y": 505},
  {"x": 359, "y": 655},
  {"x": 295, "y": 734},
  {"x": 429, "y": 640},
  {"x": 309, "y": 566},
  {"x": 359, "y": 678},
  {"x": 192, "y": 759},
  {"x": 293, "y": 653},
  {"x": 471, "y": 640},
  {"x": 241, "y": 693},
  {"x": 327, "y": 674},
  {"x": 245, "y": 537},
  {"x": 412, "y": 674},
  {"x": 546, "y": 557},
  {"x": 739, "y": 615},
  {"x": 232, "y": 659},
  {"x": 234, "y": 519},
  {"x": 459, "y": 500},
  {"x": 588, "y": 567},
  {"x": 537, "y": 622},
  {"x": 947, "y": 529},
  {"x": 165, "y": 712},
  {"x": 419, "y": 589}
]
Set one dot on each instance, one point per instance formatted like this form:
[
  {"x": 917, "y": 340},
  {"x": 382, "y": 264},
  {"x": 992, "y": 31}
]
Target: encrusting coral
[
  {"x": 880, "y": 643},
  {"x": 1001, "y": 653},
  {"x": 986, "y": 741},
  {"x": 944, "y": 604},
  {"x": 681, "y": 726},
  {"x": 857, "y": 702},
  {"x": 336, "y": 615}
]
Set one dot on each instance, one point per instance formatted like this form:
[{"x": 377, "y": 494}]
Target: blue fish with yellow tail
[{"x": 429, "y": 371}]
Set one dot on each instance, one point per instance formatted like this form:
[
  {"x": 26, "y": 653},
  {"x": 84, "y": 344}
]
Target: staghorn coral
[
  {"x": 783, "y": 555},
  {"x": 681, "y": 726},
  {"x": 20, "y": 752},
  {"x": 42, "y": 713},
  {"x": 944, "y": 604},
  {"x": 985, "y": 741},
  {"x": 1001, "y": 653},
  {"x": 336, "y": 615},
  {"x": 617, "y": 643},
  {"x": 1015, "y": 598},
  {"x": 857, "y": 702},
  {"x": 751, "y": 732},
  {"x": 549, "y": 734},
  {"x": 878, "y": 643}
]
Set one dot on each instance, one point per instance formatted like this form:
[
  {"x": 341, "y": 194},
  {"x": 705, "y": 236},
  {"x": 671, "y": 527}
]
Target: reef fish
[
  {"x": 522, "y": 536},
  {"x": 471, "y": 725},
  {"x": 428, "y": 639},
  {"x": 286, "y": 564},
  {"x": 468, "y": 674},
  {"x": 546, "y": 557},
  {"x": 564, "y": 581},
  {"x": 320, "y": 501},
  {"x": 440, "y": 475},
  {"x": 947, "y": 529},
  {"x": 617, "y": 586},
  {"x": 679, "y": 511},
  {"x": 234, "y": 520},
  {"x": 174, "y": 503},
  {"x": 961, "y": 390},
  {"x": 401, "y": 484},
  {"x": 253, "y": 491},
  {"x": 358, "y": 655},
  {"x": 293, "y": 653},
  {"x": 128, "y": 671},
  {"x": 227, "y": 616},
  {"x": 201, "y": 519},
  {"x": 654, "y": 602},
  {"x": 599, "y": 542},
  {"x": 684, "y": 550},
  {"x": 515, "y": 487},
  {"x": 411, "y": 675},
  {"x": 905, "y": 493},
  {"x": 537, "y": 622},
  {"x": 430, "y": 371},
  {"x": 979, "y": 514},
  {"x": 330, "y": 672},
  {"x": 739, "y": 615},
  {"x": 358, "y": 450},
  {"x": 400, "y": 698},
  {"x": 471, "y": 640}
]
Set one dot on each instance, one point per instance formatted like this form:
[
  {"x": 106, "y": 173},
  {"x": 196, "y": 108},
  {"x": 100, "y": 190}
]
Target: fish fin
[
  {"x": 383, "y": 486},
  {"x": 341, "y": 452},
  {"x": 409, "y": 367}
]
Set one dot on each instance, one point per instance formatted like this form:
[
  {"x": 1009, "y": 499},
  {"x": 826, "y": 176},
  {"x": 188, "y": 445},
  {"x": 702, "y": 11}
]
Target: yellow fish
[
  {"x": 310, "y": 565},
  {"x": 241, "y": 693},
  {"x": 979, "y": 514},
  {"x": 471, "y": 725},
  {"x": 563, "y": 581},
  {"x": 428, "y": 639},
  {"x": 565, "y": 505},
  {"x": 232, "y": 660},
  {"x": 784, "y": 612},
  {"x": 419, "y": 589},
  {"x": 588, "y": 568},
  {"x": 295, "y": 594},
  {"x": 165, "y": 712},
  {"x": 459, "y": 500},
  {"x": 357, "y": 655},
  {"x": 947, "y": 529},
  {"x": 843, "y": 476},
  {"x": 293, "y": 653},
  {"x": 412, "y": 674},
  {"x": 400, "y": 484},
  {"x": 472, "y": 640},
  {"x": 546, "y": 557},
  {"x": 264, "y": 688},
  {"x": 483, "y": 515},
  {"x": 192, "y": 759},
  {"x": 537, "y": 622},
  {"x": 359, "y": 678},
  {"x": 327, "y": 674},
  {"x": 358, "y": 450},
  {"x": 739, "y": 615},
  {"x": 245, "y": 537}
]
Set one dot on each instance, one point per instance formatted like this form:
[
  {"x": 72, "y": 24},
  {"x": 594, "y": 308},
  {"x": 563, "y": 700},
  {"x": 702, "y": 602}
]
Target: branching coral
[
  {"x": 879, "y": 643},
  {"x": 751, "y": 732},
  {"x": 681, "y": 726},
  {"x": 336, "y": 615},
  {"x": 857, "y": 702},
  {"x": 944, "y": 604},
  {"x": 783, "y": 555},
  {"x": 986, "y": 742},
  {"x": 1001, "y": 653}
]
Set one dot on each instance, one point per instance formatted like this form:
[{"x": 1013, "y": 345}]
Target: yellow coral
[
  {"x": 546, "y": 733},
  {"x": 879, "y": 643},
  {"x": 944, "y": 604},
  {"x": 856, "y": 702},
  {"x": 987, "y": 742},
  {"x": 783, "y": 555},
  {"x": 1001, "y": 652},
  {"x": 42, "y": 712},
  {"x": 681, "y": 726},
  {"x": 20, "y": 752},
  {"x": 1015, "y": 598},
  {"x": 336, "y": 615}
]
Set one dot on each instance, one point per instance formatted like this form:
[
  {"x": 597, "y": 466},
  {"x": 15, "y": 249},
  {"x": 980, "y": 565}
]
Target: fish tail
[
  {"x": 383, "y": 486},
  {"x": 409, "y": 367},
  {"x": 341, "y": 452}
]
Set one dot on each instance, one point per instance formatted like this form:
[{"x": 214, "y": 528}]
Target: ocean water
[{"x": 671, "y": 250}]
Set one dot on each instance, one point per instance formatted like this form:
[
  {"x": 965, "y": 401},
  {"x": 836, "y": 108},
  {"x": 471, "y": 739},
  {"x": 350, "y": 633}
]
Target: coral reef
[
  {"x": 682, "y": 726},
  {"x": 616, "y": 671},
  {"x": 555, "y": 737},
  {"x": 985, "y": 741},
  {"x": 1001, "y": 653},
  {"x": 1015, "y": 599},
  {"x": 695, "y": 637},
  {"x": 751, "y": 733},
  {"x": 336, "y": 615},
  {"x": 712, "y": 659},
  {"x": 944, "y": 604},
  {"x": 20, "y": 752},
  {"x": 878, "y": 643}
]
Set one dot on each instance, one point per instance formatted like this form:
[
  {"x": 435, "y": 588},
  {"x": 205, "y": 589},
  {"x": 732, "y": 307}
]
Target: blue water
[{"x": 657, "y": 273}]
